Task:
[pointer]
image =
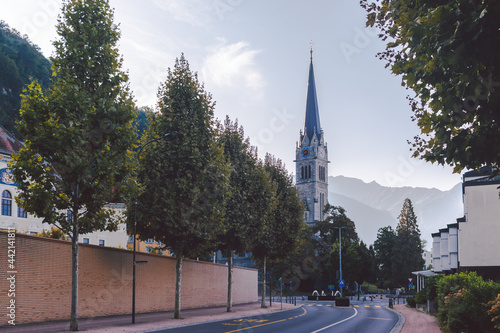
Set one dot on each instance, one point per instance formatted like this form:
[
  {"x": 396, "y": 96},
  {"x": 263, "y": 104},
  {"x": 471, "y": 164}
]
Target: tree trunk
[
  {"x": 74, "y": 276},
  {"x": 263, "y": 303},
  {"x": 178, "y": 271},
  {"x": 230, "y": 282}
]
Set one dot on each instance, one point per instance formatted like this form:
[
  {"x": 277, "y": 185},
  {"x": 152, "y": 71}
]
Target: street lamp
[
  {"x": 135, "y": 222},
  {"x": 340, "y": 256}
]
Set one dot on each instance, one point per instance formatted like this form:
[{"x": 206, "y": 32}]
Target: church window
[
  {"x": 6, "y": 203},
  {"x": 309, "y": 171}
]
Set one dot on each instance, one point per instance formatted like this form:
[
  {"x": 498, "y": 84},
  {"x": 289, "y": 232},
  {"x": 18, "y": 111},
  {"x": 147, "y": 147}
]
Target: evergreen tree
[
  {"x": 383, "y": 247},
  {"x": 184, "y": 179},
  {"x": 407, "y": 250},
  {"x": 78, "y": 136}
]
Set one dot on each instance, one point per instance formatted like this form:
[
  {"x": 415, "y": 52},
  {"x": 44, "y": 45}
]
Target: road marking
[
  {"x": 247, "y": 328},
  {"x": 378, "y": 318},
  {"x": 377, "y": 306},
  {"x": 356, "y": 306},
  {"x": 328, "y": 305},
  {"x": 324, "y": 328},
  {"x": 273, "y": 322},
  {"x": 367, "y": 306}
]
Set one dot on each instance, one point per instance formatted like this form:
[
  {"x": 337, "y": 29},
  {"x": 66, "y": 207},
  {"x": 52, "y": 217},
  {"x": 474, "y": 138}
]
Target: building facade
[
  {"x": 13, "y": 217},
  {"x": 311, "y": 158},
  {"x": 471, "y": 244}
]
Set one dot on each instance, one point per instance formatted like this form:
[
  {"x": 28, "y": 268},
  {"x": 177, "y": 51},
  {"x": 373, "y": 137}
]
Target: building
[
  {"x": 13, "y": 216},
  {"x": 311, "y": 158},
  {"x": 427, "y": 255},
  {"x": 471, "y": 244}
]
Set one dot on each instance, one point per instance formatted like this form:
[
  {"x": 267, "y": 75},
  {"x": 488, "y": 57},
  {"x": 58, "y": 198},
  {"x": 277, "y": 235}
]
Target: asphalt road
[{"x": 310, "y": 317}]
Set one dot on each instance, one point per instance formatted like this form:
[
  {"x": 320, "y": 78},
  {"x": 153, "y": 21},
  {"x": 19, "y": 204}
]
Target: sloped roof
[
  {"x": 8, "y": 143},
  {"x": 311, "y": 123}
]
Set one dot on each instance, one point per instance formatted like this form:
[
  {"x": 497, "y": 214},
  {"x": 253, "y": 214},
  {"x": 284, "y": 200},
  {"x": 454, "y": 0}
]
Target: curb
[{"x": 401, "y": 321}]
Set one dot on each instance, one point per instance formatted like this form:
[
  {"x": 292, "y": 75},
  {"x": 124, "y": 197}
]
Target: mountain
[
  {"x": 372, "y": 206},
  {"x": 20, "y": 62}
]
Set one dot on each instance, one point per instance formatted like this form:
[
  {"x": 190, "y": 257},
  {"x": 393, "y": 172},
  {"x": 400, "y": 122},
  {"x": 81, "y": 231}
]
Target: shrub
[
  {"x": 494, "y": 311},
  {"x": 342, "y": 301},
  {"x": 411, "y": 302},
  {"x": 463, "y": 300},
  {"x": 420, "y": 297}
]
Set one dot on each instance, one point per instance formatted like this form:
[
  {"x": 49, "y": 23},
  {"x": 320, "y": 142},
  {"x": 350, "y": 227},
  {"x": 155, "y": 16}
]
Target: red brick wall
[{"x": 43, "y": 281}]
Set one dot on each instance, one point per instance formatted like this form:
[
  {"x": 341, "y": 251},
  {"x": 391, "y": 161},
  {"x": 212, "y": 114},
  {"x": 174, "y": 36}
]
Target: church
[{"x": 311, "y": 158}]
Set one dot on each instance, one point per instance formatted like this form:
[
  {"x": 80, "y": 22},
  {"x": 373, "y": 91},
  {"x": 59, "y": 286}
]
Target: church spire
[{"x": 311, "y": 123}]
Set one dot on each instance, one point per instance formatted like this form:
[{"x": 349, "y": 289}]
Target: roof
[
  {"x": 311, "y": 123},
  {"x": 8, "y": 143},
  {"x": 424, "y": 273}
]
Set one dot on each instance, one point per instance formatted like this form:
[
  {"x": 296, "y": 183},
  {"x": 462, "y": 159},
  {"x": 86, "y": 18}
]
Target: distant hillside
[
  {"x": 372, "y": 206},
  {"x": 20, "y": 61}
]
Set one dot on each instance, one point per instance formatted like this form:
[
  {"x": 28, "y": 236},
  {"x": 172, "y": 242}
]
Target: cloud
[
  {"x": 233, "y": 66},
  {"x": 195, "y": 12}
]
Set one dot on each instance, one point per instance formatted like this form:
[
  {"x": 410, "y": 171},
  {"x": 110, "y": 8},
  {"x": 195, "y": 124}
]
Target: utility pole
[{"x": 340, "y": 256}]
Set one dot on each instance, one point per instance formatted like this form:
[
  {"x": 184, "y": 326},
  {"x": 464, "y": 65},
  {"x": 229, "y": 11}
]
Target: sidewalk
[
  {"x": 148, "y": 321},
  {"x": 416, "y": 321}
]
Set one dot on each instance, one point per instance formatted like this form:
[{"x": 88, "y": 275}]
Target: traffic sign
[
  {"x": 410, "y": 286},
  {"x": 341, "y": 283},
  {"x": 331, "y": 287}
]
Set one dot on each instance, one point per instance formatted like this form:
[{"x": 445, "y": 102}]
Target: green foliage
[
  {"x": 384, "y": 246},
  {"x": 412, "y": 302},
  {"x": 463, "y": 300},
  {"x": 184, "y": 178},
  {"x": 53, "y": 233},
  {"x": 20, "y": 62},
  {"x": 77, "y": 136},
  {"x": 494, "y": 311},
  {"x": 251, "y": 189},
  {"x": 446, "y": 52},
  {"x": 407, "y": 249}
]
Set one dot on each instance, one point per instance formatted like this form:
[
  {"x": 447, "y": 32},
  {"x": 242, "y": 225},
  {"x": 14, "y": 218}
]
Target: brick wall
[{"x": 43, "y": 281}]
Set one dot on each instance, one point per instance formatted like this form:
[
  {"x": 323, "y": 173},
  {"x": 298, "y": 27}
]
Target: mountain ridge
[{"x": 372, "y": 206}]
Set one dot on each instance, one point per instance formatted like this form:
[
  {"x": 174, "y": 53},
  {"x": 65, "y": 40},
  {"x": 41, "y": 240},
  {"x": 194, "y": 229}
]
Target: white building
[
  {"x": 427, "y": 255},
  {"x": 472, "y": 244},
  {"x": 14, "y": 217}
]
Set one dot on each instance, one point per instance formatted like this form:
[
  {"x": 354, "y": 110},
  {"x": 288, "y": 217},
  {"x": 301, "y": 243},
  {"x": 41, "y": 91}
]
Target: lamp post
[
  {"x": 340, "y": 256},
  {"x": 135, "y": 222}
]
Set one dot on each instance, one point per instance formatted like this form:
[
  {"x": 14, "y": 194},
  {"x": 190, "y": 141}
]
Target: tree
[
  {"x": 447, "y": 52},
  {"x": 407, "y": 250},
  {"x": 77, "y": 137},
  {"x": 250, "y": 191},
  {"x": 184, "y": 179},
  {"x": 384, "y": 246}
]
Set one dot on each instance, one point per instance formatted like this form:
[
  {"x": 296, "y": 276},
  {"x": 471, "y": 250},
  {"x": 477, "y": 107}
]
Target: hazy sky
[{"x": 253, "y": 57}]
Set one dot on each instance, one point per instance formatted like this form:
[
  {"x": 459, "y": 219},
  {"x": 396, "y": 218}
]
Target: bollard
[{"x": 390, "y": 303}]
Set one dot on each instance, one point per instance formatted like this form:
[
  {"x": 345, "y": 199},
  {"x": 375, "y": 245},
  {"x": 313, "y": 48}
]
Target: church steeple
[
  {"x": 312, "y": 158},
  {"x": 311, "y": 123}
]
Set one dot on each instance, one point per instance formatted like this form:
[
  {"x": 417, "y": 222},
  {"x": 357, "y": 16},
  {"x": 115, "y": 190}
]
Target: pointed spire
[{"x": 312, "y": 124}]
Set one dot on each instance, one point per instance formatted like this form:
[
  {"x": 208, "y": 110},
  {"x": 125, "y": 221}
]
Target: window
[
  {"x": 86, "y": 241},
  {"x": 101, "y": 242},
  {"x": 130, "y": 239},
  {"x": 21, "y": 212},
  {"x": 6, "y": 203},
  {"x": 33, "y": 233},
  {"x": 69, "y": 217},
  {"x": 150, "y": 241}
]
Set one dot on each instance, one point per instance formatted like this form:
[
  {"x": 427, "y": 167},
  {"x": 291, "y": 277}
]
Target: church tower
[{"x": 312, "y": 158}]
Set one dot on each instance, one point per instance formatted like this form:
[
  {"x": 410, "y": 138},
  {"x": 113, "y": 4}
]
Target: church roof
[
  {"x": 311, "y": 123},
  {"x": 8, "y": 143}
]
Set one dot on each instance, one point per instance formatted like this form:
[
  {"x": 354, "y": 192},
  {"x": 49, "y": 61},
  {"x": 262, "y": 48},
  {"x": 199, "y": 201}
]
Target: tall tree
[
  {"x": 407, "y": 251},
  {"x": 447, "y": 52},
  {"x": 77, "y": 137},
  {"x": 184, "y": 179},
  {"x": 250, "y": 190},
  {"x": 383, "y": 246}
]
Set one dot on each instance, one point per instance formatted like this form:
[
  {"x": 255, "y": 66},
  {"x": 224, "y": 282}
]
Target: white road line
[{"x": 339, "y": 322}]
